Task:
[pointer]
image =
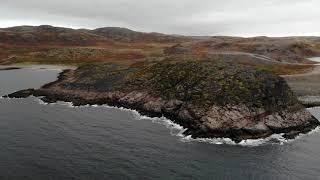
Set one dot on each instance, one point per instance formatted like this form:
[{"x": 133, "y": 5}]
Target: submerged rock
[{"x": 209, "y": 99}]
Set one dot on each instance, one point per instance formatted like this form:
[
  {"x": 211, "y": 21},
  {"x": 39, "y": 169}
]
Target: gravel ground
[{"x": 306, "y": 86}]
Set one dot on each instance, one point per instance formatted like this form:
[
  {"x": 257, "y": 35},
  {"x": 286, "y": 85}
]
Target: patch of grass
[{"x": 285, "y": 69}]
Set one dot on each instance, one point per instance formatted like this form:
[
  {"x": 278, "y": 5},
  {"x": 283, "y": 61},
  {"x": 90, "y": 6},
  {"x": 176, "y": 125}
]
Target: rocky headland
[{"x": 210, "y": 99}]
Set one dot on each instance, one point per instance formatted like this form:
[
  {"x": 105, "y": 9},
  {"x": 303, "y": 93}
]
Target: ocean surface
[{"x": 41, "y": 141}]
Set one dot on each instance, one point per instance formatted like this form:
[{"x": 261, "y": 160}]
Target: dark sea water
[{"x": 61, "y": 142}]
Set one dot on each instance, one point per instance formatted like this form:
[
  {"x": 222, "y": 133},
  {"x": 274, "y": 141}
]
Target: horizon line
[{"x": 172, "y": 34}]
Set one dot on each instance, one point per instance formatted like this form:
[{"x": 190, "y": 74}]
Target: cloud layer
[{"x": 189, "y": 17}]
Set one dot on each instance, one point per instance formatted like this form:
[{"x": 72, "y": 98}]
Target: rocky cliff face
[{"x": 209, "y": 99}]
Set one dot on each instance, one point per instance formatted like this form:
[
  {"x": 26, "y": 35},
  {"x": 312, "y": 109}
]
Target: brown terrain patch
[{"x": 306, "y": 84}]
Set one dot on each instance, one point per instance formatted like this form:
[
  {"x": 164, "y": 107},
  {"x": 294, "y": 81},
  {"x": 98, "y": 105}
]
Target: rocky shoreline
[
  {"x": 9, "y": 68},
  {"x": 235, "y": 121}
]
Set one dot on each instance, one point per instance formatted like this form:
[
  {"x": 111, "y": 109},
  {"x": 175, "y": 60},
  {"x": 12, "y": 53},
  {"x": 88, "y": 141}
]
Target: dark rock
[
  {"x": 21, "y": 94},
  {"x": 9, "y": 68}
]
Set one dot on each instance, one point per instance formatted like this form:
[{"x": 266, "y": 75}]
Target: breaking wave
[
  {"x": 273, "y": 139},
  {"x": 177, "y": 130}
]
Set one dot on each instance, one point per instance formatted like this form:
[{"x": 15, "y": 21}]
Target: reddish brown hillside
[
  {"x": 48, "y": 35},
  {"x": 289, "y": 49},
  {"x": 127, "y": 35}
]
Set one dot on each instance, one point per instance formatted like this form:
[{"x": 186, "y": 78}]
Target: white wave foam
[
  {"x": 217, "y": 141},
  {"x": 274, "y": 139},
  {"x": 175, "y": 129},
  {"x": 68, "y": 104},
  {"x": 316, "y": 130},
  {"x": 178, "y": 130},
  {"x": 62, "y": 103},
  {"x": 41, "y": 102}
]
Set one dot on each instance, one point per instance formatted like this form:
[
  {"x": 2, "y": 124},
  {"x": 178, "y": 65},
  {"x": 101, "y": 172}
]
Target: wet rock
[{"x": 21, "y": 94}]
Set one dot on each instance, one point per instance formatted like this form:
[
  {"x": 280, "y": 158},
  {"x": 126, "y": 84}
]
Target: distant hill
[
  {"x": 64, "y": 45},
  {"x": 127, "y": 35},
  {"x": 46, "y": 34},
  {"x": 278, "y": 49}
]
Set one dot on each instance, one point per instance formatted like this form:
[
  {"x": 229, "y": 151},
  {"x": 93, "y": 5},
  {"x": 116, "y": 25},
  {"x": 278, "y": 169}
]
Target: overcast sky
[{"x": 188, "y": 17}]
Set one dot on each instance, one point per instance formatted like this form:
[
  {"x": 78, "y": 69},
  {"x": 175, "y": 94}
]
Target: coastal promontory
[{"x": 208, "y": 98}]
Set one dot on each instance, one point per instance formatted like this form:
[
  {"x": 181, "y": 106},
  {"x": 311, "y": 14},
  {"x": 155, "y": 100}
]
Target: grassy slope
[{"x": 285, "y": 69}]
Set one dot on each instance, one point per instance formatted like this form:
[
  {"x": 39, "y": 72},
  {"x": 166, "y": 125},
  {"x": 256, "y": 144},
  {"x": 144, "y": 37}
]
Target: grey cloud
[{"x": 205, "y": 17}]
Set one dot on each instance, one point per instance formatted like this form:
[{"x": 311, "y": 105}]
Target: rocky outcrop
[
  {"x": 210, "y": 100},
  {"x": 8, "y": 68}
]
